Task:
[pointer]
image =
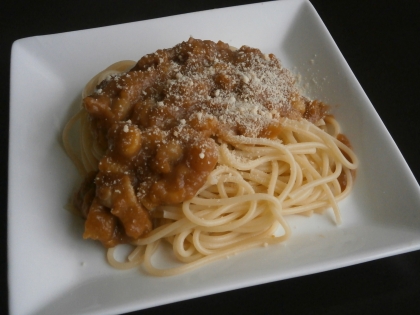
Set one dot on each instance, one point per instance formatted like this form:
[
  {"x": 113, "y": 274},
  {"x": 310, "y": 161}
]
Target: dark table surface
[{"x": 380, "y": 41}]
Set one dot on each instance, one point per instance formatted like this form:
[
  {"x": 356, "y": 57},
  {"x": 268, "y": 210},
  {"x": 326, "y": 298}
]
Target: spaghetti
[{"x": 207, "y": 148}]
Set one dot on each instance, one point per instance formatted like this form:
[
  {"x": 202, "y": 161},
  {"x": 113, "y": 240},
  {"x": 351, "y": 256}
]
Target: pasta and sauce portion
[{"x": 205, "y": 147}]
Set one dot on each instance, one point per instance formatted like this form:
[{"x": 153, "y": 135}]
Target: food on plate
[{"x": 205, "y": 147}]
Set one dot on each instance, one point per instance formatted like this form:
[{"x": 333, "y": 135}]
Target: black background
[{"x": 380, "y": 41}]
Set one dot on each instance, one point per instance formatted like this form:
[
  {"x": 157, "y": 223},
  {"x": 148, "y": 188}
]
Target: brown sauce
[{"x": 159, "y": 123}]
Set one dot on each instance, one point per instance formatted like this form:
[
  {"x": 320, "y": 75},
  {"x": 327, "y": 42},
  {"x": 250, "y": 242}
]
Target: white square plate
[{"x": 53, "y": 271}]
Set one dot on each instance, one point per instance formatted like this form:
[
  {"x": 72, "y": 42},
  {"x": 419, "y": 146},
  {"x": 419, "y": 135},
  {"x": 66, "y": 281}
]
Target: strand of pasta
[{"x": 66, "y": 142}]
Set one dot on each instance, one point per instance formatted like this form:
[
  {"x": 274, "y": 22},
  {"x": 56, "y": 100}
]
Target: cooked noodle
[{"x": 257, "y": 182}]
